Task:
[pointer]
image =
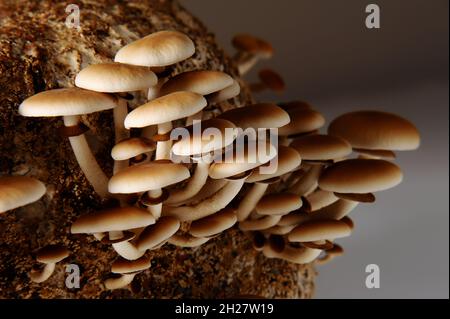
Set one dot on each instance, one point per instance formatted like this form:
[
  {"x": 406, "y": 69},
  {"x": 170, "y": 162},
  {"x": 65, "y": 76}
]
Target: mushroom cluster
[{"x": 187, "y": 191}]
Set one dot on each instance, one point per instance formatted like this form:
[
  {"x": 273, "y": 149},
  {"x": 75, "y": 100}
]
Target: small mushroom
[
  {"x": 70, "y": 103},
  {"x": 319, "y": 199},
  {"x": 268, "y": 80},
  {"x": 212, "y": 135},
  {"x": 188, "y": 241},
  {"x": 127, "y": 269},
  {"x": 297, "y": 255},
  {"x": 319, "y": 230},
  {"x": 133, "y": 149},
  {"x": 330, "y": 254},
  {"x": 214, "y": 224},
  {"x": 250, "y": 50},
  {"x": 48, "y": 255},
  {"x": 149, "y": 178},
  {"x": 159, "y": 233},
  {"x": 223, "y": 95},
  {"x": 17, "y": 191},
  {"x": 321, "y": 147},
  {"x": 162, "y": 111},
  {"x": 278, "y": 204}
]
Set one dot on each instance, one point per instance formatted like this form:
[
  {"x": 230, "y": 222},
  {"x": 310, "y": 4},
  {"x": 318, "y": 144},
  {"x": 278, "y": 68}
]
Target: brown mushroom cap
[
  {"x": 17, "y": 191},
  {"x": 253, "y": 45},
  {"x": 200, "y": 82},
  {"x": 124, "y": 266},
  {"x": 322, "y": 229},
  {"x": 272, "y": 80},
  {"x": 278, "y": 204},
  {"x": 132, "y": 147},
  {"x": 376, "y": 130},
  {"x": 66, "y": 102},
  {"x": 321, "y": 147},
  {"x": 157, "y": 49},
  {"x": 204, "y": 143},
  {"x": 225, "y": 94},
  {"x": 149, "y": 176},
  {"x": 241, "y": 162},
  {"x": 115, "y": 219},
  {"x": 115, "y": 77},
  {"x": 303, "y": 119},
  {"x": 360, "y": 176},
  {"x": 213, "y": 224},
  {"x": 164, "y": 109},
  {"x": 52, "y": 254},
  {"x": 288, "y": 160},
  {"x": 261, "y": 115},
  {"x": 154, "y": 235}
]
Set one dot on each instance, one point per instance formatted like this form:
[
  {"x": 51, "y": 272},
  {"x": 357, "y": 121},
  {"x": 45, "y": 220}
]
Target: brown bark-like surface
[{"x": 39, "y": 52}]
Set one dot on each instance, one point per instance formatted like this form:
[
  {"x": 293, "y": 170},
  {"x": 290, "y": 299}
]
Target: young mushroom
[
  {"x": 187, "y": 241},
  {"x": 376, "y": 131},
  {"x": 149, "y": 178},
  {"x": 133, "y": 149},
  {"x": 296, "y": 255},
  {"x": 127, "y": 269},
  {"x": 250, "y": 50},
  {"x": 205, "y": 138},
  {"x": 162, "y": 111},
  {"x": 160, "y": 232},
  {"x": 330, "y": 254},
  {"x": 71, "y": 103},
  {"x": 115, "y": 221},
  {"x": 221, "y": 97},
  {"x": 319, "y": 233},
  {"x": 17, "y": 191},
  {"x": 215, "y": 224},
  {"x": 158, "y": 51},
  {"x": 287, "y": 160},
  {"x": 49, "y": 256},
  {"x": 268, "y": 80}
]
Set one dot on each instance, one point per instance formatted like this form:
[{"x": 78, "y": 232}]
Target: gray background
[{"x": 330, "y": 59}]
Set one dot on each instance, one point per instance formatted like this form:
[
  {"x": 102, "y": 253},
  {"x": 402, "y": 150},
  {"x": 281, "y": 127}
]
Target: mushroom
[
  {"x": 188, "y": 241},
  {"x": 48, "y": 255},
  {"x": 319, "y": 199},
  {"x": 133, "y": 149},
  {"x": 157, "y": 50},
  {"x": 70, "y": 103},
  {"x": 250, "y": 50},
  {"x": 127, "y": 269},
  {"x": 330, "y": 254},
  {"x": 297, "y": 255},
  {"x": 375, "y": 130},
  {"x": 259, "y": 223},
  {"x": 201, "y": 82},
  {"x": 235, "y": 168},
  {"x": 149, "y": 178},
  {"x": 287, "y": 160},
  {"x": 223, "y": 95},
  {"x": 159, "y": 233},
  {"x": 17, "y": 191},
  {"x": 304, "y": 120},
  {"x": 317, "y": 148},
  {"x": 360, "y": 176},
  {"x": 308, "y": 182},
  {"x": 116, "y": 78},
  {"x": 268, "y": 80},
  {"x": 204, "y": 138},
  {"x": 318, "y": 232},
  {"x": 162, "y": 111},
  {"x": 115, "y": 221},
  {"x": 278, "y": 204},
  {"x": 214, "y": 224}
]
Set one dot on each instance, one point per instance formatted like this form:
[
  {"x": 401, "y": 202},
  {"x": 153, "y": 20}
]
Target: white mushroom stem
[
  {"x": 88, "y": 164},
  {"x": 121, "y": 133},
  {"x": 155, "y": 210},
  {"x": 248, "y": 203},
  {"x": 163, "y": 148},
  {"x": 208, "y": 206},
  {"x": 260, "y": 223},
  {"x": 193, "y": 186},
  {"x": 153, "y": 92},
  {"x": 39, "y": 276},
  {"x": 211, "y": 187},
  {"x": 120, "y": 282},
  {"x": 127, "y": 250},
  {"x": 307, "y": 182},
  {"x": 187, "y": 240}
]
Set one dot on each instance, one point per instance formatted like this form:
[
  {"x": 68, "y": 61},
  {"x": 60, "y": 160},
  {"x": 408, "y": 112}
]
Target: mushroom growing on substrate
[
  {"x": 133, "y": 149},
  {"x": 17, "y": 191},
  {"x": 71, "y": 103},
  {"x": 127, "y": 269},
  {"x": 268, "y": 80},
  {"x": 250, "y": 50},
  {"x": 49, "y": 256}
]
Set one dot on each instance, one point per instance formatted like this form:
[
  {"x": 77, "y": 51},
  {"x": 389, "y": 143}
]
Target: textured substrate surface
[{"x": 38, "y": 52}]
